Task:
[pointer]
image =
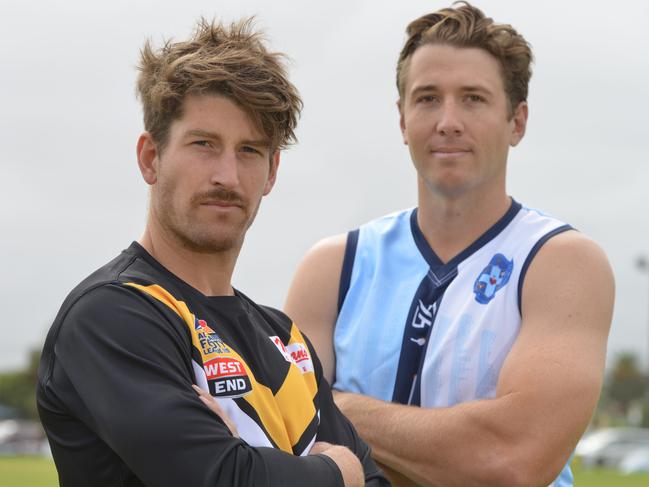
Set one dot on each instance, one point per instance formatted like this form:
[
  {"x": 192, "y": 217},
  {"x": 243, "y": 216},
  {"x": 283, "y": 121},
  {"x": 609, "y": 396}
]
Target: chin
[
  {"x": 205, "y": 243},
  {"x": 448, "y": 187}
]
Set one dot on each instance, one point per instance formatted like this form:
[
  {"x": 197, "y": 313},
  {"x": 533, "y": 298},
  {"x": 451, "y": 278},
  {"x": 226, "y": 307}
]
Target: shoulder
[
  {"x": 570, "y": 269},
  {"x": 110, "y": 303},
  {"x": 329, "y": 246},
  {"x": 572, "y": 250},
  {"x": 121, "y": 309},
  {"x": 324, "y": 258},
  {"x": 116, "y": 320}
]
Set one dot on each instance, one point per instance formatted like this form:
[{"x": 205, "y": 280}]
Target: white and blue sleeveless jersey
[{"x": 415, "y": 330}]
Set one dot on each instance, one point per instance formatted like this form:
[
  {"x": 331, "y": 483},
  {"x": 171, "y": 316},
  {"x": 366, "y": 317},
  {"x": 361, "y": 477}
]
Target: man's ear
[
  {"x": 272, "y": 173},
  {"x": 147, "y": 158},
  {"x": 402, "y": 121},
  {"x": 519, "y": 119}
]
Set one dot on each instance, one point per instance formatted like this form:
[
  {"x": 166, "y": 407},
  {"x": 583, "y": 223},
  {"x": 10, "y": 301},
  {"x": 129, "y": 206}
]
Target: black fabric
[{"x": 115, "y": 397}]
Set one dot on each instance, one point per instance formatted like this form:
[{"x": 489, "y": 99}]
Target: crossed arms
[
  {"x": 546, "y": 392},
  {"x": 116, "y": 400}
]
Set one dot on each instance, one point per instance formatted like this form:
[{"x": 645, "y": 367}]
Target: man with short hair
[
  {"x": 115, "y": 382},
  {"x": 468, "y": 335}
]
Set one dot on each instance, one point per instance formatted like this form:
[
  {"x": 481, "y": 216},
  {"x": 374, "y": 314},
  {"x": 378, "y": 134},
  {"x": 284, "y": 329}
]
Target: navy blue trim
[
  {"x": 348, "y": 265},
  {"x": 530, "y": 256},
  {"x": 416, "y": 393},
  {"x": 422, "y": 244},
  {"x": 441, "y": 270},
  {"x": 416, "y": 334}
]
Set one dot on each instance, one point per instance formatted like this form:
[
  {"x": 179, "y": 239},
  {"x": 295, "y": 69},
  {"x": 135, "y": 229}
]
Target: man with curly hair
[
  {"x": 143, "y": 344},
  {"x": 467, "y": 335}
]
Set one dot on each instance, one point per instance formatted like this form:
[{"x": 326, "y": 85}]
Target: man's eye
[
  {"x": 201, "y": 143},
  {"x": 475, "y": 98},
  {"x": 250, "y": 150},
  {"x": 426, "y": 99}
]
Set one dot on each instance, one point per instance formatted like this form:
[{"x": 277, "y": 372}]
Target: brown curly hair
[
  {"x": 230, "y": 61},
  {"x": 467, "y": 26}
]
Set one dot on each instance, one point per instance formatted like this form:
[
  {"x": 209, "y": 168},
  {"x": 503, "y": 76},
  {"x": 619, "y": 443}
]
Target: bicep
[
  {"x": 312, "y": 300},
  {"x": 556, "y": 365}
]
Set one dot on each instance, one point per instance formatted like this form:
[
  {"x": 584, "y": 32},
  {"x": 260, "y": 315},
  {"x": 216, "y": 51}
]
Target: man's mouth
[
  {"x": 450, "y": 151},
  {"x": 224, "y": 203}
]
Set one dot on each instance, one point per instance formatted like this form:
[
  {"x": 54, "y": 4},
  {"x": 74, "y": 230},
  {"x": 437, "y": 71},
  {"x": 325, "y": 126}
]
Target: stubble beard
[{"x": 198, "y": 236}]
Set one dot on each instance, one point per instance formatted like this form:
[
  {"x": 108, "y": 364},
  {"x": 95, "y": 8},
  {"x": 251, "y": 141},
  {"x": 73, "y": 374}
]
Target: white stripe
[{"x": 248, "y": 429}]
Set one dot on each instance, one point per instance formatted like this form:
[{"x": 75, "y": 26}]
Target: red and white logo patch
[
  {"x": 300, "y": 356},
  {"x": 227, "y": 377},
  {"x": 281, "y": 347},
  {"x": 221, "y": 367},
  {"x": 296, "y": 353}
]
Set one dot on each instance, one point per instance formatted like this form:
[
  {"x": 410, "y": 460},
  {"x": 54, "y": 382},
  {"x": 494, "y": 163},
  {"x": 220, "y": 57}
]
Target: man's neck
[
  {"x": 450, "y": 225},
  {"x": 209, "y": 273}
]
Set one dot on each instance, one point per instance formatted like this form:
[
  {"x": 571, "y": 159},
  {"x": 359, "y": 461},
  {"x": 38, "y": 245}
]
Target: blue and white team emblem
[{"x": 492, "y": 278}]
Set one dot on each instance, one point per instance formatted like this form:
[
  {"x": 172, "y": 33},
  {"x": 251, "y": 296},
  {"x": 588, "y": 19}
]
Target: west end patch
[{"x": 227, "y": 377}]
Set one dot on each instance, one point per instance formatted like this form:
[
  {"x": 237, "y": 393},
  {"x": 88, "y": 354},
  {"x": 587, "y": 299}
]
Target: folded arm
[
  {"x": 547, "y": 388},
  {"x": 124, "y": 371}
]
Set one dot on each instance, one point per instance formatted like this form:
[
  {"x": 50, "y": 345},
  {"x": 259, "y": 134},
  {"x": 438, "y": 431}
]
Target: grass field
[
  {"x": 27, "y": 472},
  {"x": 39, "y": 472}
]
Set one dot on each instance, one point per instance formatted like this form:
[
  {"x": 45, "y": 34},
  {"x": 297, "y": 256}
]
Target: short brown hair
[
  {"x": 230, "y": 61},
  {"x": 467, "y": 26}
]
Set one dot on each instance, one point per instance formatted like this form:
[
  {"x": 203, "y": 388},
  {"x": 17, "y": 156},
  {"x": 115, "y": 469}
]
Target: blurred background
[{"x": 71, "y": 196}]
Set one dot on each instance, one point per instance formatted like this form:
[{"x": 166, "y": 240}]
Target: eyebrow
[
  {"x": 214, "y": 136},
  {"x": 467, "y": 88},
  {"x": 473, "y": 88},
  {"x": 201, "y": 133}
]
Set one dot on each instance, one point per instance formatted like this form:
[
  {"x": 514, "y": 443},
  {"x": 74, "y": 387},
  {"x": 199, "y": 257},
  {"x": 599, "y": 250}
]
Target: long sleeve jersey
[{"x": 115, "y": 397}]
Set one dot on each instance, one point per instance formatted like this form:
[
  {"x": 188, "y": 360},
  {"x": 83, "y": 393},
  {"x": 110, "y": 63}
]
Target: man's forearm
[{"x": 465, "y": 445}]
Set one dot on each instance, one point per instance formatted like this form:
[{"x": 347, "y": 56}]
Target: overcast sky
[{"x": 71, "y": 196}]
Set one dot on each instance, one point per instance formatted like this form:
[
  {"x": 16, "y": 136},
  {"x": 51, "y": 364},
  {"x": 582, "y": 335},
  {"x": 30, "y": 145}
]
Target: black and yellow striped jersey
[{"x": 115, "y": 393}]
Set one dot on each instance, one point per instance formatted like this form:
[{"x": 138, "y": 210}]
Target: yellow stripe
[
  {"x": 295, "y": 397},
  {"x": 309, "y": 377},
  {"x": 295, "y": 404},
  {"x": 162, "y": 295},
  {"x": 261, "y": 398}
]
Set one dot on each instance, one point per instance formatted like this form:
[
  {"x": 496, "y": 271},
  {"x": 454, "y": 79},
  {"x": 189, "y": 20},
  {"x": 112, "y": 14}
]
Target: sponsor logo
[
  {"x": 300, "y": 356},
  {"x": 281, "y": 347},
  {"x": 227, "y": 377},
  {"x": 423, "y": 315},
  {"x": 223, "y": 367},
  {"x": 209, "y": 341},
  {"x": 233, "y": 387},
  {"x": 296, "y": 353},
  {"x": 492, "y": 278}
]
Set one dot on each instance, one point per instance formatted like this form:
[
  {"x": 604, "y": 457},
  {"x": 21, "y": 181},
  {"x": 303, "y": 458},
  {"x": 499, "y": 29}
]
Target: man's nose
[
  {"x": 450, "y": 119},
  {"x": 225, "y": 170}
]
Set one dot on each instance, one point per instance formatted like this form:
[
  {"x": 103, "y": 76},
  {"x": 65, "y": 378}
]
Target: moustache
[{"x": 219, "y": 195}]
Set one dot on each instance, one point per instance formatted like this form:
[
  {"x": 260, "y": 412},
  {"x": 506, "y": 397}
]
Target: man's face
[
  {"x": 456, "y": 120},
  {"x": 211, "y": 175}
]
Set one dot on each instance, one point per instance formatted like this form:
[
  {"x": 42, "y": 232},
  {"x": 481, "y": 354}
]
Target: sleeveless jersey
[{"x": 414, "y": 330}]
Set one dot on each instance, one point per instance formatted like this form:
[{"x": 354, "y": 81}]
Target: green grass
[
  {"x": 607, "y": 478},
  {"x": 27, "y": 472},
  {"x": 40, "y": 472}
]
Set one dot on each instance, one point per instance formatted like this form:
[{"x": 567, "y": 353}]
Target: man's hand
[
  {"x": 350, "y": 467},
  {"x": 211, "y": 403}
]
